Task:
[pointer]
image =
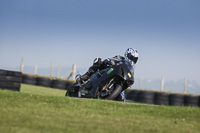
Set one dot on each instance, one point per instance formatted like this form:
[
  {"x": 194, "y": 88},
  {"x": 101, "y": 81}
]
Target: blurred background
[{"x": 165, "y": 33}]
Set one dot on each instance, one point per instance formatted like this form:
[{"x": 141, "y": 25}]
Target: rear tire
[{"x": 72, "y": 92}]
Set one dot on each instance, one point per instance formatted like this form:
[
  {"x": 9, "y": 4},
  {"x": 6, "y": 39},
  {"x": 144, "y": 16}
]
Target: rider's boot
[
  {"x": 87, "y": 75},
  {"x": 96, "y": 65}
]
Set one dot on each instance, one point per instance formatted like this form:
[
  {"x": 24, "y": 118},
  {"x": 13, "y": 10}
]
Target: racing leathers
[{"x": 100, "y": 64}]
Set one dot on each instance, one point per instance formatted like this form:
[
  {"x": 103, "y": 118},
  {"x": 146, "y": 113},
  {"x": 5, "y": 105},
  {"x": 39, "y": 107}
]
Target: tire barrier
[
  {"x": 3, "y": 72},
  {"x": 68, "y": 85},
  {"x": 10, "y": 80},
  {"x": 176, "y": 100},
  {"x": 199, "y": 101},
  {"x": 132, "y": 95},
  {"x": 127, "y": 93},
  {"x": 59, "y": 84},
  {"x": 27, "y": 79},
  {"x": 46, "y": 81},
  {"x": 191, "y": 100},
  {"x": 146, "y": 97},
  {"x": 162, "y": 98}
]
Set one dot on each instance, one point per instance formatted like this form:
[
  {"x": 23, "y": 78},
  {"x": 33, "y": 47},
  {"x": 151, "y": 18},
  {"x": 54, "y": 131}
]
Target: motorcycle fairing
[{"x": 123, "y": 71}]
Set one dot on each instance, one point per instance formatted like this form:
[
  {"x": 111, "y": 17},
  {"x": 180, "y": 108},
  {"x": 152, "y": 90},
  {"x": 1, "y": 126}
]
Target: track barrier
[
  {"x": 162, "y": 98},
  {"x": 11, "y": 80}
]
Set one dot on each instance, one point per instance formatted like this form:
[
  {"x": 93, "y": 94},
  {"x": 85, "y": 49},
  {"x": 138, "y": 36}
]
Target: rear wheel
[{"x": 72, "y": 92}]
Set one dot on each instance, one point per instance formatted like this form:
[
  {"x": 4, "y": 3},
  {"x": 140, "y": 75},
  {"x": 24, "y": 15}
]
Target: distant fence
[
  {"x": 71, "y": 74},
  {"x": 161, "y": 85}
]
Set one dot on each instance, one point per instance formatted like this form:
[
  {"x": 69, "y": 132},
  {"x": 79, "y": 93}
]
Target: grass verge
[
  {"x": 43, "y": 110},
  {"x": 39, "y": 90}
]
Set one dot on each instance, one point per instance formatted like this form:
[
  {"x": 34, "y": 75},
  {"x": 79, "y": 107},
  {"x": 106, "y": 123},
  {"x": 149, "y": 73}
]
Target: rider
[{"x": 99, "y": 64}]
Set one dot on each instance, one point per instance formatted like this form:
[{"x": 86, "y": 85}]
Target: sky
[{"x": 165, "y": 33}]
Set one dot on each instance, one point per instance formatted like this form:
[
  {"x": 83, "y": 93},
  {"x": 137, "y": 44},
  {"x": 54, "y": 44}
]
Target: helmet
[{"x": 132, "y": 54}]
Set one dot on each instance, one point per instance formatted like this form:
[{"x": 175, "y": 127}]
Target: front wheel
[{"x": 116, "y": 91}]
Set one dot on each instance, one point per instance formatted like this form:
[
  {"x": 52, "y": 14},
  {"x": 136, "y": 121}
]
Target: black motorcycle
[{"x": 108, "y": 83}]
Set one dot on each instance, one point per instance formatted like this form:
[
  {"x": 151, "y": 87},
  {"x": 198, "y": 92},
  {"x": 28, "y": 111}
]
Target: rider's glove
[{"x": 109, "y": 62}]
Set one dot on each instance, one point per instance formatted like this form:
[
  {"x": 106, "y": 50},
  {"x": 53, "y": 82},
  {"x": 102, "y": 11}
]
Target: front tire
[{"x": 115, "y": 93}]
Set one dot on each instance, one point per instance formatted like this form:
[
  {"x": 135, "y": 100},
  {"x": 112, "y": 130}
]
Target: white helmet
[{"x": 132, "y": 54}]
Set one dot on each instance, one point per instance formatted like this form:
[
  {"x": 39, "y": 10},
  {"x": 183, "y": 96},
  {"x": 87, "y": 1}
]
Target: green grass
[
  {"x": 44, "y": 91},
  {"x": 40, "y": 109}
]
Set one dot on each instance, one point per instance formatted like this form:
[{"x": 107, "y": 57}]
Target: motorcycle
[{"x": 108, "y": 83}]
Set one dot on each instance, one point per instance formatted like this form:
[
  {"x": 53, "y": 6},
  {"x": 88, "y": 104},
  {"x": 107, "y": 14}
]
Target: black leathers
[{"x": 99, "y": 64}]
